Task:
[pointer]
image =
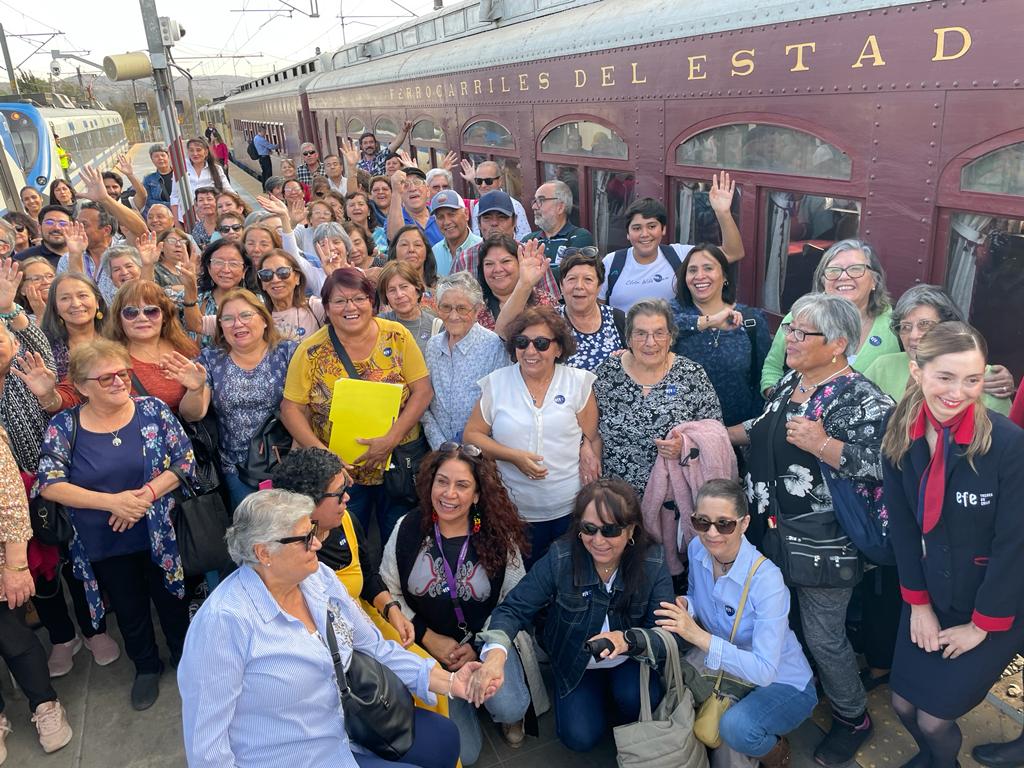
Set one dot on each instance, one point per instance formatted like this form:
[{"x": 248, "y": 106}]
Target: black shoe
[
  {"x": 871, "y": 682},
  {"x": 1003, "y": 755},
  {"x": 842, "y": 742},
  {"x": 146, "y": 689}
]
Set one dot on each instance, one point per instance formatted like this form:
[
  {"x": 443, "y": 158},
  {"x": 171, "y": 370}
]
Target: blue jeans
[
  {"x": 436, "y": 745},
  {"x": 541, "y": 535},
  {"x": 753, "y": 724},
  {"x": 603, "y": 698},
  {"x": 237, "y": 490},
  {"x": 364, "y": 499},
  {"x": 508, "y": 705}
]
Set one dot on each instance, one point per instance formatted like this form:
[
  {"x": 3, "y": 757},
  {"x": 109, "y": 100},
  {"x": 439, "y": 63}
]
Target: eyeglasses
[
  {"x": 309, "y": 152},
  {"x": 151, "y": 311},
  {"x": 854, "y": 271},
  {"x": 590, "y": 251},
  {"x": 922, "y": 325},
  {"x": 703, "y": 525},
  {"x": 56, "y": 223},
  {"x": 459, "y": 309},
  {"x": 242, "y": 317},
  {"x": 344, "y": 301},
  {"x": 415, "y": 181},
  {"x": 540, "y": 343},
  {"x": 642, "y": 336},
  {"x": 225, "y": 228},
  {"x": 174, "y": 241},
  {"x": 19, "y": 227},
  {"x": 38, "y": 278},
  {"x": 539, "y": 201},
  {"x": 797, "y": 334},
  {"x": 339, "y": 495},
  {"x": 485, "y": 180},
  {"x": 467, "y": 448},
  {"x": 282, "y": 273},
  {"x": 222, "y": 264},
  {"x": 306, "y": 538},
  {"x": 107, "y": 379},
  {"x": 607, "y": 530}
]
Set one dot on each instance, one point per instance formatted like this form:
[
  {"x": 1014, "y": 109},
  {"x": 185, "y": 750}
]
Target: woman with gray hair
[
  {"x": 823, "y": 425},
  {"x": 646, "y": 392},
  {"x": 919, "y": 310},
  {"x": 265, "y": 633},
  {"x": 851, "y": 269},
  {"x": 332, "y": 246},
  {"x": 458, "y": 357}
]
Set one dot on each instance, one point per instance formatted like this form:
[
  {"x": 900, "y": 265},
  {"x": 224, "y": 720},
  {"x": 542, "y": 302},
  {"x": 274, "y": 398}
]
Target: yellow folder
[{"x": 361, "y": 409}]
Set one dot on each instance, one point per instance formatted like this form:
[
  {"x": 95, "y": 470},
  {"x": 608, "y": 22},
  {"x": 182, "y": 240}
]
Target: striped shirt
[{"x": 257, "y": 689}]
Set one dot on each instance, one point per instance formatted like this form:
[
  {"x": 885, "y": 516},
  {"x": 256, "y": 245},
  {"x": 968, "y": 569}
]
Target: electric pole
[{"x": 12, "y": 76}]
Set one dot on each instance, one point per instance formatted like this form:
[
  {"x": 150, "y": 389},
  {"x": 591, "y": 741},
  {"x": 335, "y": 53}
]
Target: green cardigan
[
  {"x": 891, "y": 373},
  {"x": 882, "y": 341}
]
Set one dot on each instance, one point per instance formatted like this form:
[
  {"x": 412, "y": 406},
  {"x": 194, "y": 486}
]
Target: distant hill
[{"x": 206, "y": 88}]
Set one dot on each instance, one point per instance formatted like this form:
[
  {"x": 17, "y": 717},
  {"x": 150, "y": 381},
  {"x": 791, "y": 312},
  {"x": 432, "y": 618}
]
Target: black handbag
[
  {"x": 200, "y": 521},
  {"x": 267, "y": 449},
  {"x": 51, "y": 522},
  {"x": 379, "y": 711}
]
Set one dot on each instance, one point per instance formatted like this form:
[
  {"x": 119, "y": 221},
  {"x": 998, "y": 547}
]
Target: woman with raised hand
[
  {"x": 365, "y": 254},
  {"x": 599, "y": 329},
  {"x": 506, "y": 279},
  {"x": 37, "y": 276},
  {"x": 332, "y": 246}
]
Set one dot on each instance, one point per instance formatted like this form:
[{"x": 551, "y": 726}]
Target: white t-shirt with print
[{"x": 642, "y": 281}]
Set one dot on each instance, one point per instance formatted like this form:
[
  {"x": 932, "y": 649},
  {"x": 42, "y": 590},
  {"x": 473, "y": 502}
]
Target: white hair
[{"x": 263, "y": 518}]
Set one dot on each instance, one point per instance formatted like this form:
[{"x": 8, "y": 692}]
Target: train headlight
[{"x": 40, "y": 180}]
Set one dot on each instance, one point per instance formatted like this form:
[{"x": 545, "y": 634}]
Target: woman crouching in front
[
  {"x": 600, "y": 580},
  {"x": 762, "y": 651},
  {"x": 257, "y": 680}
]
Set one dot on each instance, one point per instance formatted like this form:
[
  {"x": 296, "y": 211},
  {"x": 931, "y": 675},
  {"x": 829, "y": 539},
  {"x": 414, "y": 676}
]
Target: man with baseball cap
[
  {"x": 156, "y": 187},
  {"x": 410, "y": 204},
  {"x": 497, "y": 215},
  {"x": 449, "y": 211}
]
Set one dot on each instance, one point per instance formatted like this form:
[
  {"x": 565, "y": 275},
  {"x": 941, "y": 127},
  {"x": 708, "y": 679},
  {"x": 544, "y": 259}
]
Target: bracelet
[
  {"x": 190, "y": 303},
  {"x": 148, "y": 487},
  {"x": 16, "y": 568},
  {"x": 53, "y": 404},
  {"x": 451, "y": 683},
  {"x": 384, "y": 611},
  {"x": 821, "y": 451},
  {"x": 12, "y": 314}
]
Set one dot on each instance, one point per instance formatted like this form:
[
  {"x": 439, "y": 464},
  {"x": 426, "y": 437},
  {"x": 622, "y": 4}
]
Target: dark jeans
[
  {"x": 436, "y": 745},
  {"x": 266, "y": 168},
  {"x": 53, "y": 608},
  {"x": 132, "y": 581},
  {"x": 603, "y": 698},
  {"x": 25, "y": 658},
  {"x": 363, "y": 500},
  {"x": 541, "y": 535}
]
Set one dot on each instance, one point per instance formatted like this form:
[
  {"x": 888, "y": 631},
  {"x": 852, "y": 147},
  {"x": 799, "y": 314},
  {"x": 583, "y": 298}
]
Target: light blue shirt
[
  {"x": 102, "y": 279},
  {"x": 263, "y": 146},
  {"x": 765, "y": 650},
  {"x": 257, "y": 689},
  {"x": 444, "y": 256},
  {"x": 454, "y": 374}
]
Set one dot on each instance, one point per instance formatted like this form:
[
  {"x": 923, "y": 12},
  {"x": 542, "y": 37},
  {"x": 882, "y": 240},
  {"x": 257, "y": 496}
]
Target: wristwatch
[
  {"x": 636, "y": 642},
  {"x": 387, "y": 608}
]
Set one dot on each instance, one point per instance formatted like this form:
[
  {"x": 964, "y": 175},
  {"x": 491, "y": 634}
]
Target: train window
[
  {"x": 799, "y": 229},
  {"x": 695, "y": 221},
  {"x": 1000, "y": 172},
  {"x": 426, "y": 131},
  {"x": 423, "y": 158},
  {"x": 581, "y": 137},
  {"x": 758, "y": 147},
  {"x": 356, "y": 128},
  {"x": 570, "y": 174},
  {"x": 487, "y": 133},
  {"x": 611, "y": 192},
  {"x": 386, "y": 130},
  {"x": 986, "y": 261}
]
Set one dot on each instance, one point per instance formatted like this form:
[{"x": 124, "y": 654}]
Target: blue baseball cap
[
  {"x": 497, "y": 200},
  {"x": 446, "y": 198}
]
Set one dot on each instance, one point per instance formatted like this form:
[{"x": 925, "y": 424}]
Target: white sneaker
[
  {"x": 62, "y": 657},
  {"x": 52, "y": 725},
  {"x": 5, "y": 728}
]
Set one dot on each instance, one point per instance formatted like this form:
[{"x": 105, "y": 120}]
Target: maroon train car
[{"x": 901, "y": 123}]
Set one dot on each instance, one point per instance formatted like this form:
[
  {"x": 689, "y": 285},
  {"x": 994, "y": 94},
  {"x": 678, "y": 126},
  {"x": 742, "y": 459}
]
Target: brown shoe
[
  {"x": 513, "y": 734},
  {"x": 779, "y": 756}
]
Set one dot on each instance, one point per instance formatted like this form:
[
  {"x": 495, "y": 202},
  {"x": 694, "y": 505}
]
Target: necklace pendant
[{"x": 116, "y": 441}]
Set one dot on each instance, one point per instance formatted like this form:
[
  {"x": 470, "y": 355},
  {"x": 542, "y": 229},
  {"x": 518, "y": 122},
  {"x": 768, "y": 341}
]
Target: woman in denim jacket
[{"x": 600, "y": 580}]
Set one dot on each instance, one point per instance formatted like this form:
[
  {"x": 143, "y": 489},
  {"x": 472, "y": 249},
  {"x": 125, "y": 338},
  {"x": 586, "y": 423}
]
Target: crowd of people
[{"x": 586, "y": 447}]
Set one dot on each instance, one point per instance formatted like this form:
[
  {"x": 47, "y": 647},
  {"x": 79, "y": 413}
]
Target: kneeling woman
[
  {"x": 603, "y": 578},
  {"x": 763, "y": 651},
  {"x": 954, "y": 477},
  {"x": 263, "y": 635},
  {"x": 449, "y": 564}
]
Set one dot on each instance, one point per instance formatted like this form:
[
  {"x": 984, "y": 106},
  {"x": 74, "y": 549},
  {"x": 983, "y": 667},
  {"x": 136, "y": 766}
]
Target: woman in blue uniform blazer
[{"x": 954, "y": 477}]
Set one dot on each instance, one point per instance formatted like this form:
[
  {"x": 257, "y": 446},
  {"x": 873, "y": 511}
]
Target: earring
[
  {"x": 99, "y": 315},
  {"x": 725, "y": 284},
  {"x": 267, "y": 564},
  {"x": 833, "y": 358},
  {"x": 580, "y": 534},
  {"x": 476, "y": 520},
  {"x": 433, "y": 517},
  {"x": 631, "y": 542}
]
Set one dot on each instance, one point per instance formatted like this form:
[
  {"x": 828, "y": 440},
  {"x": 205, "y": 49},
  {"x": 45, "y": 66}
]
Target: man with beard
[
  {"x": 54, "y": 221},
  {"x": 552, "y": 204}
]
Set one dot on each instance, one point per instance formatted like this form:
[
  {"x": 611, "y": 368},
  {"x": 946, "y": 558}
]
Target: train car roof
[{"x": 590, "y": 26}]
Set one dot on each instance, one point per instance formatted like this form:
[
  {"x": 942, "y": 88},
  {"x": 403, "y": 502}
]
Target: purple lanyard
[{"x": 453, "y": 587}]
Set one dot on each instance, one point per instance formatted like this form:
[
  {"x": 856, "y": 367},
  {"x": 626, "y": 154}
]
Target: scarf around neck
[{"x": 933, "y": 482}]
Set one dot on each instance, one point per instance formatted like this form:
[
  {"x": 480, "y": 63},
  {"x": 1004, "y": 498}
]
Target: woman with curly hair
[{"x": 449, "y": 564}]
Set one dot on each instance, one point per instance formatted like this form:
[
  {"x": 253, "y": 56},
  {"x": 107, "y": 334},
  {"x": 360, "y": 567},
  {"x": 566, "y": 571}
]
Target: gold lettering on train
[
  {"x": 504, "y": 86},
  {"x": 940, "y": 43},
  {"x": 581, "y": 78},
  {"x": 417, "y": 91},
  {"x": 463, "y": 88},
  {"x": 476, "y": 88},
  {"x": 799, "y": 48},
  {"x": 544, "y": 81},
  {"x": 636, "y": 80},
  {"x": 490, "y": 85},
  {"x": 523, "y": 84},
  {"x": 607, "y": 76},
  {"x": 869, "y": 51},
  {"x": 696, "y": 62},
  {"x": 743, "y": 64},
  {"x": 451, "y": 90}
]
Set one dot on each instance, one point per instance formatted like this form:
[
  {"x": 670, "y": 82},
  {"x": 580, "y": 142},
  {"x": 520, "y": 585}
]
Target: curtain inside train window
[
  {"x": 1000, "y": 172},
  {"x": 488, "y": 133},
  {"x": 581, "y": 137},
  {"x": 611, "y": 192},
  {"x": 768, "y": 148},
  {"x": 695, "y": 220}
]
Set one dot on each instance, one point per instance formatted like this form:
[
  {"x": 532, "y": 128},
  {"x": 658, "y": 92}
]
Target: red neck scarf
[{"x": 933, "y": 483}]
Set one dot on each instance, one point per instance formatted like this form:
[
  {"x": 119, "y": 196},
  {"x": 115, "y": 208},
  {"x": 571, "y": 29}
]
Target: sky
[{"x": 263, "y": 35}]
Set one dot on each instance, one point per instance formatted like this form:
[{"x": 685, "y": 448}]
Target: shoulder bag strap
[
  {"x": 141, "y": 390},
  {"x": 332, "y": 646},
  {"x": 755, "y": 372},
  {"x": 618, "y": 262},
  {"x": 339, "y": 350},
  {"x": 739, "y": 612},
  {"x": 671, "y": 257}
]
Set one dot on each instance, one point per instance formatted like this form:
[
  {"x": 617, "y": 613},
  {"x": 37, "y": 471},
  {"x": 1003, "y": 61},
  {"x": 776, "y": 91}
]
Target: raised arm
[
  {"x": 130, "y": 222},
  {"x": 400, "y": 138},
  {"x": 720, "y": 196}
]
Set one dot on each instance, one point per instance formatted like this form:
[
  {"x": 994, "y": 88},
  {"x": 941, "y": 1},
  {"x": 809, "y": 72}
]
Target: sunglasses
[
  {"x": 467, "y": 448},
  {"x": 151, "y": 311},
  {"x": 306, "y": 538},
  {"x": 703, "y": 525},
  {"x": 282, "y": 273},
  {"x": 540, "y": 343},
  {"x": 225, "y": 228},
  {"x": 309, "y": 152},
  {"x": 19, "y": 227},
  {"x": 485, "y": 180},
  {"x": 339, "y": 495},
  {"x": 107, "y": 379},
  {"x": 607, "y": 530}
]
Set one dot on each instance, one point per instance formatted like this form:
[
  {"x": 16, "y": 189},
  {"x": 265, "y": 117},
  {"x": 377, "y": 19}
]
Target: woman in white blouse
[
  {"x": 203, "y": 171},
  {"x": 538, "y": 420}
]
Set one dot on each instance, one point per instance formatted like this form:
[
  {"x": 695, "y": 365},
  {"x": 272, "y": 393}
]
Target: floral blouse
[
  {"x": 165, "y": 445},
  {"x": 629, "y": 423},
  {"x": 14, "y": 521}
]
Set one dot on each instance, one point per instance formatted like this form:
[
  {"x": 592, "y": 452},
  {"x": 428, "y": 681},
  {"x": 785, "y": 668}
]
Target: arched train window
[
  {"x": 487, "y": 133},
  {"x": 581, "y": 137},
  {"x": 356, "y": 128},
  {"x": 385, "y": 130},
  {"x": 1000, "y": 172},
  {"x": 427, "y": 131}
]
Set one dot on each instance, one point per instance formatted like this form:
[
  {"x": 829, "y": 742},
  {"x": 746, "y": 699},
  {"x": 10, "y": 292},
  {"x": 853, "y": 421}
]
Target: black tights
[{"x": 938, "y": 740}]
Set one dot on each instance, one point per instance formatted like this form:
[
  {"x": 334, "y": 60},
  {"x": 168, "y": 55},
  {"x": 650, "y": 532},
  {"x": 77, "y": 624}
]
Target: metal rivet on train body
[{"x": 927, "y": 181}]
